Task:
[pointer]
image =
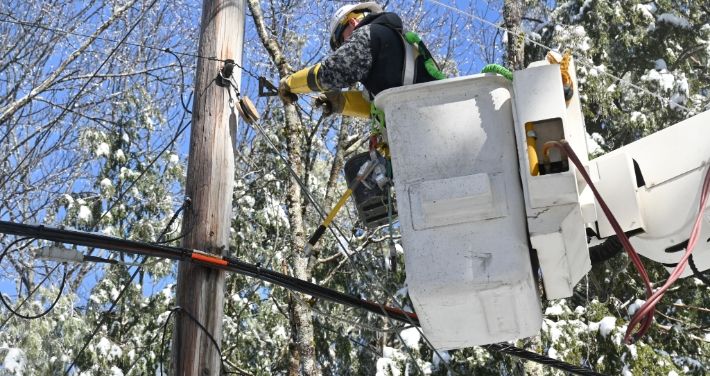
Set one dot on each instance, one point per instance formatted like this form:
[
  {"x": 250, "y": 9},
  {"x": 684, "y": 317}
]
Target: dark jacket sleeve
[{"x": 349, "y": 64}]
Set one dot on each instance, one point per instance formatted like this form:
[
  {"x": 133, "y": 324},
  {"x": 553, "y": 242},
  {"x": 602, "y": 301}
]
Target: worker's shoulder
[{"x": 387, "y": 20}]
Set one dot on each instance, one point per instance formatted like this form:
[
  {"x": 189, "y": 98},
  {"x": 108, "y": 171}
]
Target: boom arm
[{"x": 654, "y": 185}]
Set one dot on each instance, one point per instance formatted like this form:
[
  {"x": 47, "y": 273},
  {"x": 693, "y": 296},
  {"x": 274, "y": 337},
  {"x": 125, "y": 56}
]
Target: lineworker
[{"x": 369, "y": 46}]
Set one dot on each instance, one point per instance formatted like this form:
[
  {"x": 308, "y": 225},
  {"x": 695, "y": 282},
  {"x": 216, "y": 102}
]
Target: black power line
[
  {"x": 236, "y": 266},
  {"x": 183, "y": 254},
  {"x": 15, "y": 311},
  {"x": 202, "y": 327}
]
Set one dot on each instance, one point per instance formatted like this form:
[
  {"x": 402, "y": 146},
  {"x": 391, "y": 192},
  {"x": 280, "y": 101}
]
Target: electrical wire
[
  {"x": 182, "y": 81},
  {"x": 633, "y": 255},
  {"x": 179, "y": 309},
  {"x": 14, "y": 311},
  {"x": 186, "y": 203},
  {"x": 648, "y": 308},
  {"x": 541, "y": 359},
  {"x": 14, "y": 20},
  {"x": 643, "y": 318},
  {"x": 351, "y": 322}
]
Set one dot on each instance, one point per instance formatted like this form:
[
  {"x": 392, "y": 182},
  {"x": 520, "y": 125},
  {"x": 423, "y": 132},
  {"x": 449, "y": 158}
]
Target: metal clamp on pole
[{"x": 225, "y": 73}]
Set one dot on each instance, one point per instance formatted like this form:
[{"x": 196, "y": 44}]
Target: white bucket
[{"x": 461, "y": 210}]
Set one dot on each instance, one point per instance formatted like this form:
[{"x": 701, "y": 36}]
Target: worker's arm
[
  {"x": 305, "y": 80},
  {"x": 343, "y": 68}
]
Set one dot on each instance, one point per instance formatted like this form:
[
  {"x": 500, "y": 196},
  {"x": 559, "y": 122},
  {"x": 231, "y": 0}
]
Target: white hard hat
[{"x": 342, "y": 13}]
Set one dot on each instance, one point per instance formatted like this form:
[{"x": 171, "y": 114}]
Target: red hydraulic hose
[
  {"x": 644, "y": 315},
  {"x": 650, "y": 304},
  {"x": 647, "y": 318}
]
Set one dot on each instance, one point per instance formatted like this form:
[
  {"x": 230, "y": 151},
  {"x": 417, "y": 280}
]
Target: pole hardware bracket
[
  {"x": 266, "y": 88},
  {"x": 225, "y": 73}
]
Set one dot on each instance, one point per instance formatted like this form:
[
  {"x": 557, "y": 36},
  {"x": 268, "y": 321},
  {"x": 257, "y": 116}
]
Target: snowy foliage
[{"x": 660, "y": 50}]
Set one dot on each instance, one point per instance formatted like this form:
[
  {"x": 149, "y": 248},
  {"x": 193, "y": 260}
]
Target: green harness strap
[
  {"x": 429, "y": 63},
  {"x": 378, "y": 119},
  {"x": 499, "y": 69}
]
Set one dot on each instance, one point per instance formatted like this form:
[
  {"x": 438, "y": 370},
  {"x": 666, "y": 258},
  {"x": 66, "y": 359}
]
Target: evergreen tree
[{"x": 658, "y": 48}]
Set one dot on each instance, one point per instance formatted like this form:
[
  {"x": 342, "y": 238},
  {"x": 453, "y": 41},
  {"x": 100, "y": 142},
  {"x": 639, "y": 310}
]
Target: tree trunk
[
  {"x": 513, "y": 14},
  {"x": 301, "y": 319}
]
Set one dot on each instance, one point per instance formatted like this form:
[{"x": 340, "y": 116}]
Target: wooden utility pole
[{"x": 210, "y": 179}]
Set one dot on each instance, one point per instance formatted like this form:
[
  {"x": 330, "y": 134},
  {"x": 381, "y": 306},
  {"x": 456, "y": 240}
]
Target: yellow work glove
[
  {"x": 348, "y": 103},
  {"x": 285, "y": 92},
  {"x": 330, "y": 103}
]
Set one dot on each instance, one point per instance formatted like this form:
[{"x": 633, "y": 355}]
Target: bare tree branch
[{"x": 10, "y": 109}]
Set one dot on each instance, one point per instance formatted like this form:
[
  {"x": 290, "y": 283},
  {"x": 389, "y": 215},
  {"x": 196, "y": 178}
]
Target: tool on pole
[{"x": 266, "y": 88}]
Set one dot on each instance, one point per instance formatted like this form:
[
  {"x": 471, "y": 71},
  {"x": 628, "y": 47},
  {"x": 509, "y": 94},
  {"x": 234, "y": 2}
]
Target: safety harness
[
  {"x": 413, "y": 48},
  {"x": 378, "y": 148}
]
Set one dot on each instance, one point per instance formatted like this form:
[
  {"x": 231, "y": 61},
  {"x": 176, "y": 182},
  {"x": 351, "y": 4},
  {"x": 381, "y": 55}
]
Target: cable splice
[{"x": 208, "y": 258}]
